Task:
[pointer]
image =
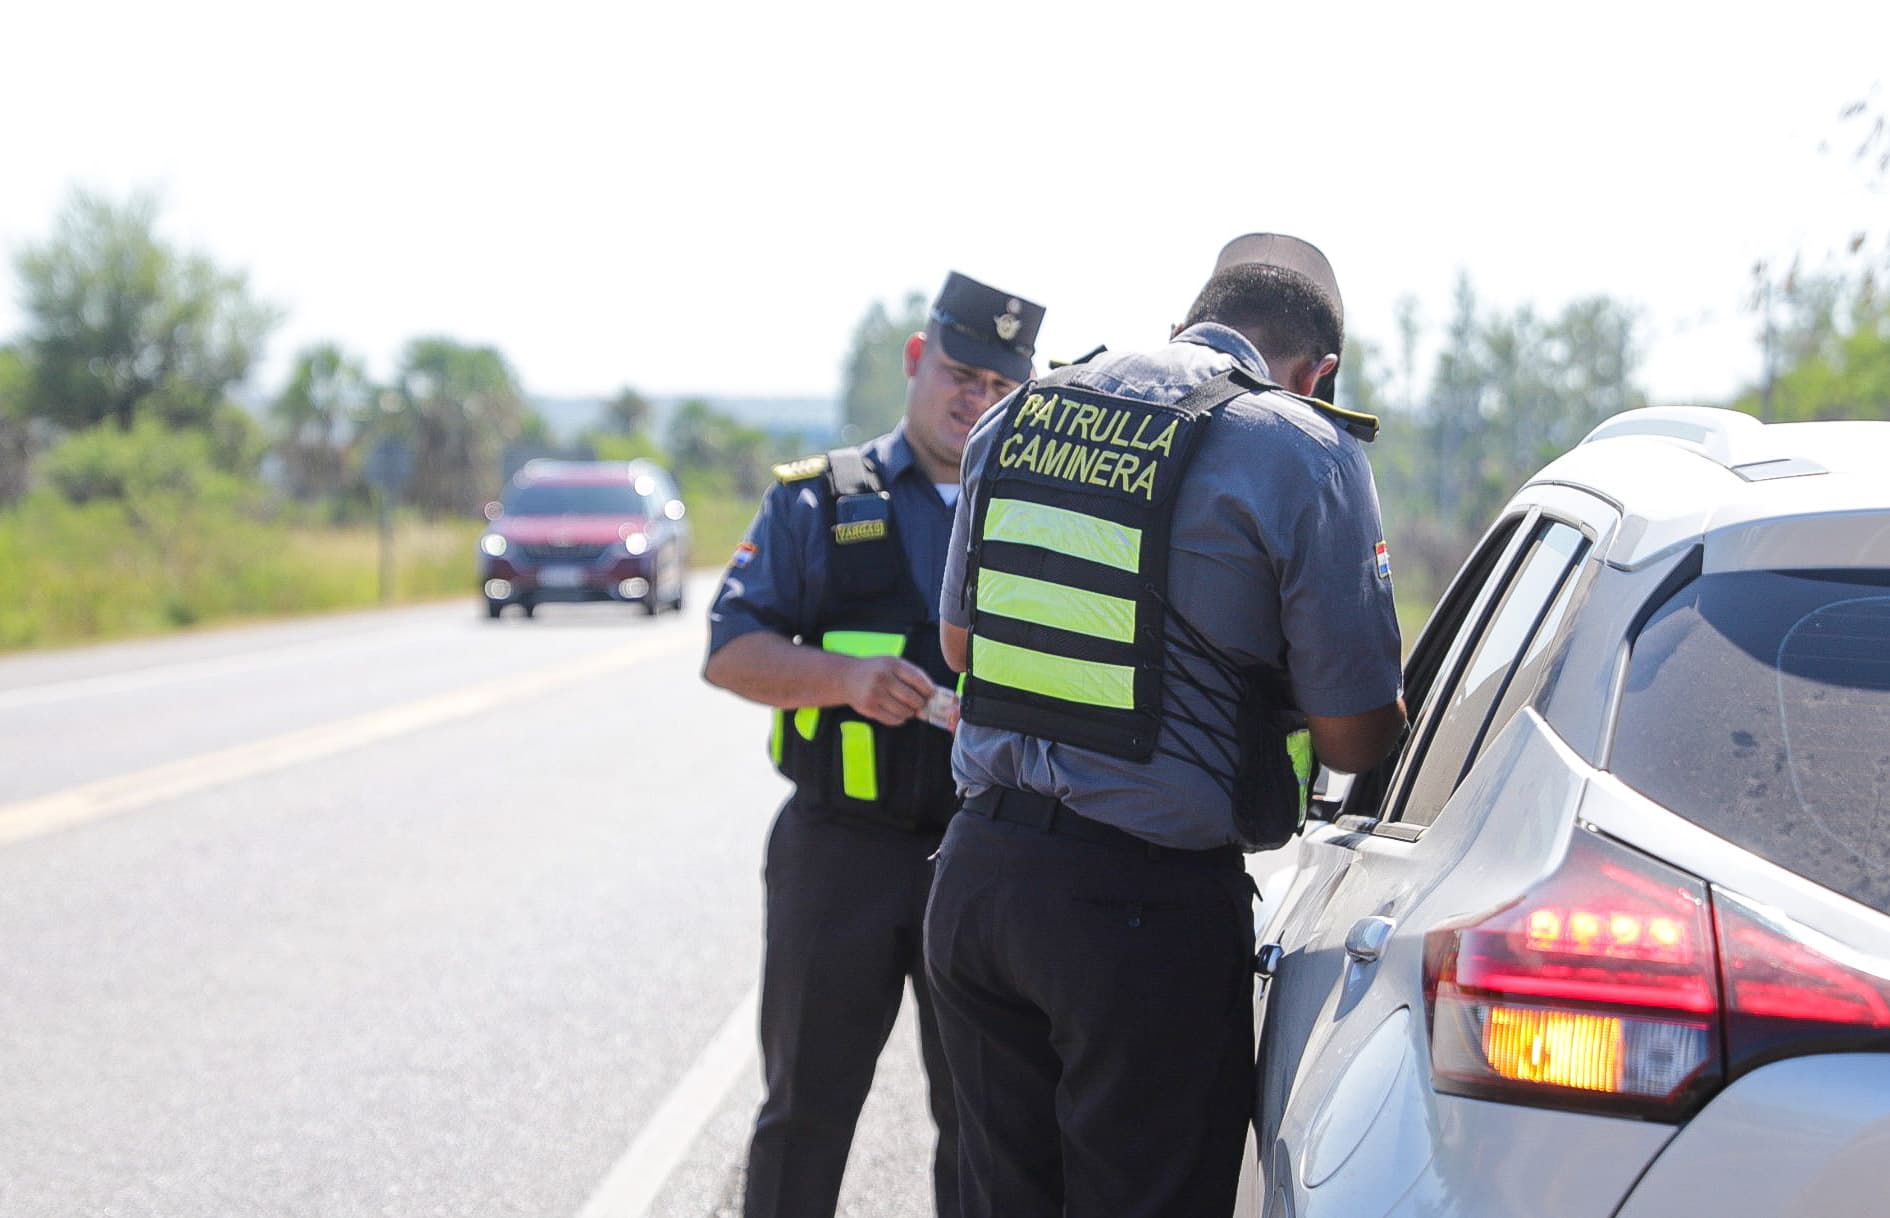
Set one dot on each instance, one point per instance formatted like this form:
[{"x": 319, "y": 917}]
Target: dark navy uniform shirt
[
  {"x": 1273, "y": 557},
  {"x": 778, "y": 575}
]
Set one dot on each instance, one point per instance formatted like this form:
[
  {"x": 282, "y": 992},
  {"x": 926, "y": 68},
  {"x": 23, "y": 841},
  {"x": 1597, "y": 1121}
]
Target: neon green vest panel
[
  {"x": 839, "y": 760},
  {"x": 1068, "y": 587},
  {"x": 1069, "y": 568}
]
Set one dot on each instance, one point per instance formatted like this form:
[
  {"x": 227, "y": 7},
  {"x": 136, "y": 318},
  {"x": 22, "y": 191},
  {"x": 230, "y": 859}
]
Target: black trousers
[
  {"x": 845, "y": 911},
  {"x": 1096, "y": 1005}
]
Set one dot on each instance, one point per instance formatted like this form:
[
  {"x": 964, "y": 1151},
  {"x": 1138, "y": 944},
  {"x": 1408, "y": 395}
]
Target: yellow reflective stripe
[
  {"x": 1299, "y": 749},
  {"x": 1046, "y": 604},
  {"x": 1066, "y": 532},
  {"x": 863, "y": 644},
  {"x": 1085, "y": 681},
  {"x": 859, "y": 774}
]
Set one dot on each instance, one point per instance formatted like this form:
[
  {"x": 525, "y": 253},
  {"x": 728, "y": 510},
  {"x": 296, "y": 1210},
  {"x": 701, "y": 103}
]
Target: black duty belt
[{"x": 1050, "y": 815}]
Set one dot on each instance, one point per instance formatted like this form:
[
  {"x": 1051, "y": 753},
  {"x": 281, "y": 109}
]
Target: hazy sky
[{"x": 706, "y": 197}]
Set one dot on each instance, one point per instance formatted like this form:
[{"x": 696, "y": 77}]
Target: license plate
[{"x": 564, "y": 576}]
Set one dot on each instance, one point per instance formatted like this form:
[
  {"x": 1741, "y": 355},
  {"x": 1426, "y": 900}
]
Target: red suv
[{"x": 585, "y": 531}]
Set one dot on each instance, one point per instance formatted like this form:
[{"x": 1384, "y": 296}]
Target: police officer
[
  {"x": 829, "y": 614},
  {"x": 1165, "y": 584}
]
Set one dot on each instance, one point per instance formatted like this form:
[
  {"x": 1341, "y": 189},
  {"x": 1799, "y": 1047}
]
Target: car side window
[
  {"x": 1460, "y": 716},
  {"x": 1434, "y": 655},
  {"x": 1531, "y": 676}
]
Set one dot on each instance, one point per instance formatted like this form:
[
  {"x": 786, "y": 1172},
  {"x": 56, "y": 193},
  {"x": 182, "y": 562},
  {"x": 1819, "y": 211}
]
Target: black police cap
[{"x": 981, "y": 326}]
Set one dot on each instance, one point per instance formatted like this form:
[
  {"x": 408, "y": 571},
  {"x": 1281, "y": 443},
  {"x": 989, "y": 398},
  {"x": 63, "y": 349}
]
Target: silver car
[{"x": 1610, "y": 935}]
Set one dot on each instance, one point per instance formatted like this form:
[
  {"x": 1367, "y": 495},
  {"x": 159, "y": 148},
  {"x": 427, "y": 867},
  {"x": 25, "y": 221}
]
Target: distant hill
[{"x": 817, "y": 419}]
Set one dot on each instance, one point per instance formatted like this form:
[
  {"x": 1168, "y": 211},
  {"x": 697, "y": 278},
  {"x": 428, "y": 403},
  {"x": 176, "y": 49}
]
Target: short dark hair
[{"x": 1285, "y": 314}]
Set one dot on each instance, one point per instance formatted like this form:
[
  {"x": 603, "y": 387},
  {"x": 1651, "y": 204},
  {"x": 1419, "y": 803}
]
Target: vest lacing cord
[{"x": 1225, "y": 740}]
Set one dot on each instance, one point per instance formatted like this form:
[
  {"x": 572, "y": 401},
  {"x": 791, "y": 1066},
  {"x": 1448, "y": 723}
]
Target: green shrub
[
  {"x": 85, "y": 571},
  {"x": 719, "y": 515},
  {"x": 150, "y": 467}
]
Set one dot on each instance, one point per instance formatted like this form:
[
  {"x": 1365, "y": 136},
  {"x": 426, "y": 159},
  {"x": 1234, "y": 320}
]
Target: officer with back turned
[
  {"x": 1167, "y": 589},
  {"x": 829, "y": 614}
]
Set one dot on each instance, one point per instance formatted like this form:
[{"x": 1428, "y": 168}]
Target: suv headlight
[{"x": 493, "y": 544}]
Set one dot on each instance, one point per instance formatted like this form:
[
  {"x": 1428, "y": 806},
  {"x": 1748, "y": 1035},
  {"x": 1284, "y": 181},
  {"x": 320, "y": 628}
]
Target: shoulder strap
[
  {"x": 849, "y": 473},
  {"x": 1084, "y": 358},
  {"x": 1217, "y": 392},
  {"x": 1362, "y": 427},
  {"x": 1356, "y": 423},
  {"x": 1206, "y": 396}
]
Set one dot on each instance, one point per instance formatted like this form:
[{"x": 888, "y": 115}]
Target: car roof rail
[{"x": 1712, "y": 430}]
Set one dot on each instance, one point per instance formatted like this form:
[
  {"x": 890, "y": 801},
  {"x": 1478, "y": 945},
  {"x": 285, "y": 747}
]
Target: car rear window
[
  {"x": 1758, "y": 706},
  {"x": 594, "y": 499}
]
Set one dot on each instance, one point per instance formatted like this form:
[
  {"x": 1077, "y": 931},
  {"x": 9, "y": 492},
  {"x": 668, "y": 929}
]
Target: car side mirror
[{"x": 1329, "y": 789}]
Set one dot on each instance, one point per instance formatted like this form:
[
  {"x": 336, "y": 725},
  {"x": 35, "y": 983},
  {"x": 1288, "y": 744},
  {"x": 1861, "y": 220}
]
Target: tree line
[
  {"x": 124, "y": 378},
  {"x": 121, "y": 385}
]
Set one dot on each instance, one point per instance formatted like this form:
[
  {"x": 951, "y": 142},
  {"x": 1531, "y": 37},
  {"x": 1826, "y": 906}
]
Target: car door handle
[
  {"x": 1266, "y": 961},
  {"x": 1367, "y": 938}
]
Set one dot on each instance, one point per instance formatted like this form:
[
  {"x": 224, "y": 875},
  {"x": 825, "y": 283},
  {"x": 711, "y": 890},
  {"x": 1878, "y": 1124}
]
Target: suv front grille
[{"x": 577, "y": 554}]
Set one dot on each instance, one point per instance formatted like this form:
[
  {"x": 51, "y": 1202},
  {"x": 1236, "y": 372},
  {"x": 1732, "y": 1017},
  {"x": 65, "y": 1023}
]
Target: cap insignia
[{"x": 1008, "y": 324}]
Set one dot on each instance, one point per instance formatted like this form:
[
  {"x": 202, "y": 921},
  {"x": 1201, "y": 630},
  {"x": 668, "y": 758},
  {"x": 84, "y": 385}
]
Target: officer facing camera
[
  {"x": 1166, "y": 594},
  {"x": 829, "y": 614}
]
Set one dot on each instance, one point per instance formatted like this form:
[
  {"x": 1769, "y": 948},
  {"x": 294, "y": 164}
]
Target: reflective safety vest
[
  {"x": 840, "y": 760},
  {"x": 1068, "y": 586}
]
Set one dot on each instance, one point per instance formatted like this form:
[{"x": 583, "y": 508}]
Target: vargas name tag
[{"x": 851, "y": 531}]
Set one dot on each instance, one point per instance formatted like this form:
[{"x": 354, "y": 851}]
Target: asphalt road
[{"x": 400, "y": 913}]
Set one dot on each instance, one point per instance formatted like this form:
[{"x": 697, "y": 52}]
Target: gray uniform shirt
[{"x": 1274, "y": 558}]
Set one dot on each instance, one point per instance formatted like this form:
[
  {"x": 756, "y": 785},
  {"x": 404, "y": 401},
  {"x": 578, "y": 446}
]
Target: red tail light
[
  {"x": 1789, "y": 991},
  {"x": 1598, "y": 989},
  {"x": 1615, "y": 985}
]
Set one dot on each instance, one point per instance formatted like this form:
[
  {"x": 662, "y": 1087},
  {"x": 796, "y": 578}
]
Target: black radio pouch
[
  {"x": 868, "y": 561},
  {"x": 1269, "y": 799}
]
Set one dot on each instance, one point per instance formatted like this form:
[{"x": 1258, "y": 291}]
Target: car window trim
[
  {"x": 1450, "y": 670},
  {"x": 1530, "y": 535},
  {"x": 1431, "y": 657},
  {"x": 1416, "y": 692},
  {"x": 1437, "y": 636},
  {"x": 1563, "y": 582},
  {"x": 1523, "y": 542},
  {"x": 1577, "y": 586},
  {"x": 1689, "y": 568}
]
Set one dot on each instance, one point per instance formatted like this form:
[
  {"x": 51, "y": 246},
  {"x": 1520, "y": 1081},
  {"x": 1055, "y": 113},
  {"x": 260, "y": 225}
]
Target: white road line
[
  {"x": 631, "y": 1186},
  {"x": 92, "y": 801},
  {"x": 189, "y": 670}
]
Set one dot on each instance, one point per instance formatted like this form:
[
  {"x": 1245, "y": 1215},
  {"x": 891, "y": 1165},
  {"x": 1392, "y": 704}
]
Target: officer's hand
[{"x": 887, "y": 689}]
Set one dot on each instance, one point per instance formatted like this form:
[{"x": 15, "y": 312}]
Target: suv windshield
[
  {"x": 599, "y": 499},
  {"x": 1758, "y": 706}
]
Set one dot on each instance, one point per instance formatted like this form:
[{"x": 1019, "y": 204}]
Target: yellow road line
[{"x": 44, "y": 814}]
